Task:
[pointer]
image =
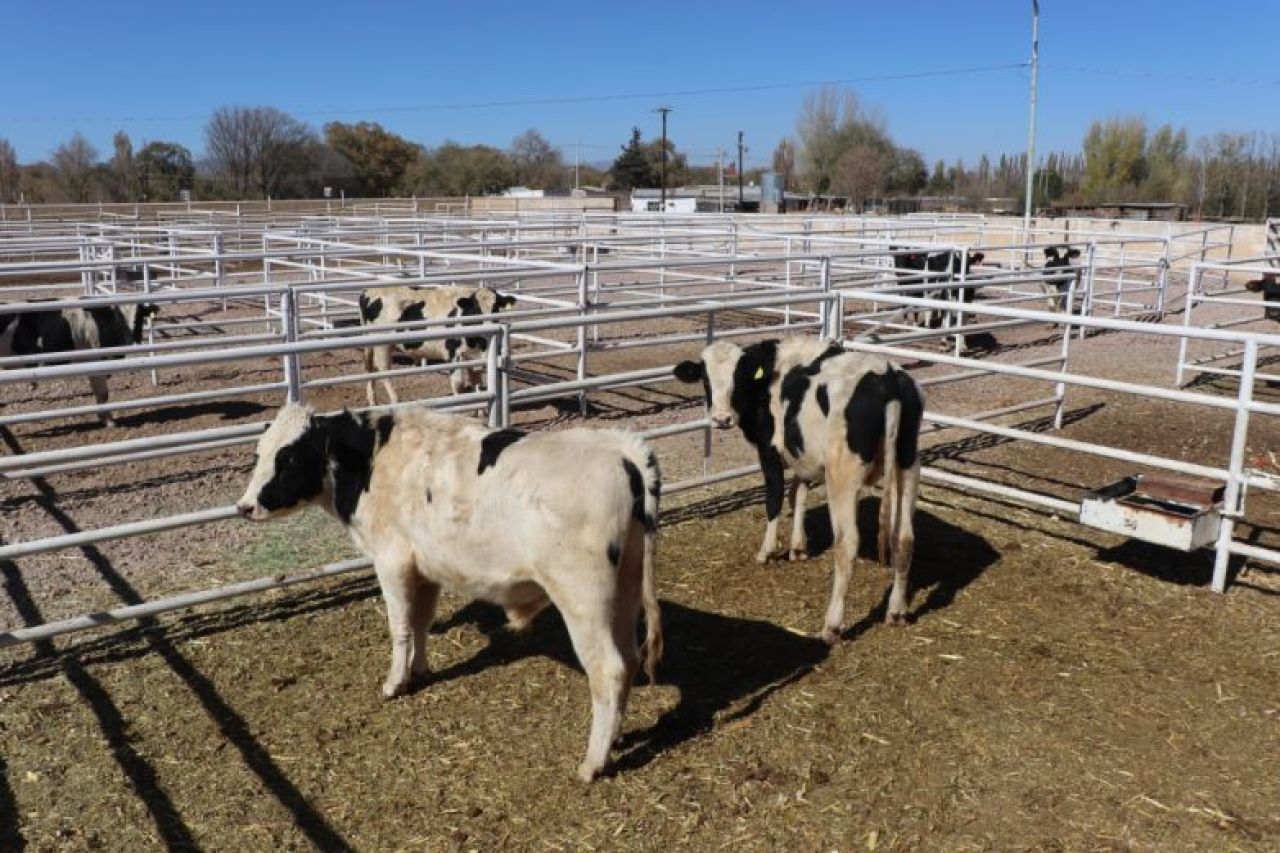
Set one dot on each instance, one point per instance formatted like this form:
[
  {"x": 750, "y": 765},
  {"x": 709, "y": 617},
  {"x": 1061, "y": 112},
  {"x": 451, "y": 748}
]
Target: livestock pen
[{"x": 1030, "y": 634}]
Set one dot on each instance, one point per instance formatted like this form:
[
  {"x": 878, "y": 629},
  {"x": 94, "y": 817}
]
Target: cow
[
  {"x": 1061, "y": 270},
  {"x": 942, "y": 268},
  {"x": 521, "y": 520},
  {"x": 1268, "y": 284},
  {"x": 37, "y": 333},
  {"x": 832, "y": 416},
  {"x": 381, "y": 306}
]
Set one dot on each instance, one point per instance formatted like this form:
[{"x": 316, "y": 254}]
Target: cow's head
[
  {"x": 735, "y": 380},
  {"x": 1060, "y": 257},
  {"x": 1268, "y": 284},
  {"x": 974, "y": 259},
  {"x": 290, "y": 467},
  {"x": 142, "y": 312}
]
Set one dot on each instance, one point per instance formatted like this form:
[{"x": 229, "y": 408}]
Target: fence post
[
  {"x": 1189, "y": 302},
  {"x": 584, "y": 308},
  {"x": 824, "y": 307},
  {"x": 706, "y": 430},
  {"x": 288, "y": 324},
  {"x": 1234, "y": 497},
  {"x": 1162, "y": 281}
]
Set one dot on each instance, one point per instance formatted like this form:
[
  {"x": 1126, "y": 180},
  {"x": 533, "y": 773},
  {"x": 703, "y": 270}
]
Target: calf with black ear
[
  {"x": 1268, "y": 284},
  {"x": 690, "y": 371}
]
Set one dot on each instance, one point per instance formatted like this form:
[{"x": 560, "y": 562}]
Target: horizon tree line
[{"x": 839, "y": 148}]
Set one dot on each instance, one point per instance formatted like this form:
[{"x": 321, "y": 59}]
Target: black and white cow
[
  {"x": 832, "y": 416},
  {"x": 940, "y": 268},
  {"x": 1268, "y": 284},
  {"x": 389, "y": 305},
  {"x": 36, "y": 333},
  {"x": 566, "y": 518},
  {"x": 1062, "y": 270}
]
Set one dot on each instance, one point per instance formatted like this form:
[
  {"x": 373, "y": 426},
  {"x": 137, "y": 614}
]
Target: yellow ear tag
[{"x": 759, "y": 373}]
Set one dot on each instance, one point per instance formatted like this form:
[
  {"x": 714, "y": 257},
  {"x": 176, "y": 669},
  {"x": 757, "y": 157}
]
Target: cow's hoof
[
  {"x": 392, "y": 689},
  {"x": 798, "y": 555},
  {"x": 898, "y": 619},
  {"x": 763, "y": 557},
  {"x": 831, "y": 636},
  {"x": 587, "y": 772}
]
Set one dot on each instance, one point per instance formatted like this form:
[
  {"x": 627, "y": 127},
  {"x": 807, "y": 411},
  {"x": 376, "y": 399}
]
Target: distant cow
[
  {"x": 388, "y": 305},
  {"x": 38, "y": 333},
  {"x": 1269, "y": 286},
  {"x": 565, "y": 518},
  {"x": 940, "y": 268},
  {"x": 1061, "y": 271},
  {"x": 829, "y": 415}
]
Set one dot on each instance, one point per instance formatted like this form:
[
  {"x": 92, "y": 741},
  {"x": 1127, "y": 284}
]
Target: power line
[
  {"x": 1160, "y": 75},
  {"x": 567, "y": 99}
]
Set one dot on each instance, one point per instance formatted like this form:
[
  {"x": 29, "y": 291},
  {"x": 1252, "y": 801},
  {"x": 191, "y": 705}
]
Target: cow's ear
[
  {"x": 1051, "y": 252},
  {"x": 976, "y": 258},
  {"x": 1255, "y": 285},
  {"x": 504, "y": 302},
  {"x": 689, "y": 371},
  {"x": 1073, "y": 253}
]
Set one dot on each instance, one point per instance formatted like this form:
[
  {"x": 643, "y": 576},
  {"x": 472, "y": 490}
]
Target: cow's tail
[
  {"x": 647, "y": 511},
  {"x": 889, "y": 456}
]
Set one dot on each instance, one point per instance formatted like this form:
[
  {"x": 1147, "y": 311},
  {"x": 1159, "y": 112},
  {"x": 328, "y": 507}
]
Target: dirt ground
[{"x": 1058, "y": 689}]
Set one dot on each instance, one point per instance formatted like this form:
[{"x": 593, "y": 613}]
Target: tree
[
  {"x": 10, "y": 175},
  {"x": 535, "y": 163},
  {"x": 460, "y": 170},
  {"x": 784, "y": 163},
  {"x": 840, "y": 145},
  {"x": 124, "y": 173},
  {"x": 163, "y": 170},
  {"x": 257, "y": 150},
  {"x": 907, "y": 174},
  {"x": 73, "y": 161},
  {"x": 634, "y": 167},
  {"x": 1115, "y": 162},
  {"x": 677, "y": 163},
  {"x": 378, "y": 157},
  {"x": 861, "y": 173}
]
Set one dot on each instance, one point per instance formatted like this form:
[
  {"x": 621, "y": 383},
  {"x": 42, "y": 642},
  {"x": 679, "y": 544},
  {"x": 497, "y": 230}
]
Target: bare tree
[
  {"x": 74, "y": 161},
  {"x": 536, "y": 163},
  {"x": 258, "y": 150},
  {"x": 124, "y": 171},
  {"x": 784, "y": 162},
  {"x": 9, "y": 173}
]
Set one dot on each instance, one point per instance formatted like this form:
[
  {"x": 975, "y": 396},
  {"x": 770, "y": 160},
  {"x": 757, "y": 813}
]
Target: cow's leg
[
  {"x": 845, "y": 475},
  {"x": 422, "y": 612},
  {"x": 99, "y": 386},
  {"x": 458, "y": 381},
  {"x": 774, "y": 486},
  {"x": 904, "y": 544},
  {"x": 590, "y": 619},
  {"x": 799, "y": 544},
  {"x": 399, "y": 583},
  {"x": 382, "y": 361},
  {"x": 369, "y": 368}
]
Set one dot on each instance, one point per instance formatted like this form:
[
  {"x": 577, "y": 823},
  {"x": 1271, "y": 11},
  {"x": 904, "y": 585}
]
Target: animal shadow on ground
[
  {"x": 724, "y": 667},
  {"x": 947, "y": 559},
  {"x": 227, "y": 410}
]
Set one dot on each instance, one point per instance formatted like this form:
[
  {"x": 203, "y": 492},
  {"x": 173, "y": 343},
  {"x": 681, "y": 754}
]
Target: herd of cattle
[{"x": 570, "y": 518}]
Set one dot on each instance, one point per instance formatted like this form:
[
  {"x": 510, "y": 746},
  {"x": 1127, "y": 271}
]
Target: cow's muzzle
[{"x": 722, "y": 421}]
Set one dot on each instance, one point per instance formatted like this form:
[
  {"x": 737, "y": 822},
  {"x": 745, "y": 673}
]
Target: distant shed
[{"x": 1164, "y": 211}]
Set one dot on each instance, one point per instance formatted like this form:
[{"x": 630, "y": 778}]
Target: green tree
[
  {"x": 633, "y": 167},
  {"x": 378, "y": 157},
  {"x": 163, "y": 169},
  {"x": 460, "y": 170},
  {"x": 1115, "y": 159}
]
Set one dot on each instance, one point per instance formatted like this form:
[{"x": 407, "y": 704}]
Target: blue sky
[{"x": 158, "y": 69}]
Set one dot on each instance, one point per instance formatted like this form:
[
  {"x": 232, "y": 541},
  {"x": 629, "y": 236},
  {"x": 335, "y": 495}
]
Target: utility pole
[
  {"x": 1031, "y": 129},
  {"x": 664, "y": 111},
  {"x": 720, "y": 175},
  {"x": 577, "y": 158},
  {"x": 740, "y": 193}
]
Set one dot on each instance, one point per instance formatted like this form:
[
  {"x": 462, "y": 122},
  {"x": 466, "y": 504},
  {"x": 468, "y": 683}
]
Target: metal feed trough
[
  {"x": 589, "y": 284},
  {"x": 1177, "y": 513}
]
